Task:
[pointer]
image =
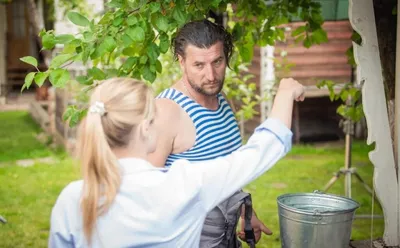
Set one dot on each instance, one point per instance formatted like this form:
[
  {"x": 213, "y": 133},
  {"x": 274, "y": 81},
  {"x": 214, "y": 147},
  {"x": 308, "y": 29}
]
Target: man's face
[{"x": 205, "y": 68}]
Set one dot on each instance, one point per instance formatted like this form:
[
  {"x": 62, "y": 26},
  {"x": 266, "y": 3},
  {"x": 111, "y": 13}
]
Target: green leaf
[
  {"x": 143, "y": 59},
  {"x": 179, "y": 16},
  {"x": 341, "y": 110},
  {"x": 107, "y": 45},
  {"x": 332, "y": 95},
  {"x": 126, "y": 39},
  {"x": 299, "y": 31},
  {"x": 129, "y": 63},
  {"x": 96, "y": 73},
  {"x": 115, "y": 4},
  {"x": 118, "y": 21},
  {"x": 68, "y": 112},
  {"x": 319, "y": 36},
  {"x": 48, "y": 41},
  {"x": 344, "y": 95},
  {"x": 74, "y": 119},
  {"x": 112, "y": 72},
  {"x": 88, "y": 36},
  {"x": 28, "y": 80},
  {"x": 307, "y": 42},
  {"x": 180, "y": 4},
  {"x": 153, "y": 52},
  {"x": 130, "y": 51},
  {"x": 246, "y": 52},
  {"x": 158, "y": 66},
  {"x": 69, "y": 48},
  {"x": 42, "y": 32},
  {"x": 145, "y": 25},
  {"x": 30, "y": 60},
  {"x": 40, "y": 77},
  {"x": 300, "y": 38},
  {"x": 64, "y": 38},
  {"x": 86, "y": 53},
  {"x": 60, "y": 60},
  {"x": 84, "y": 80},
  {"x": 148, "y": 74},
  {"x": 154, "y": 7},
  {"x": 237, "y": 32},
  {"x": 164, "y": 43},
  {"x": 160, "y": 22},
  {"x": 136, "y": 33},
  {"x": 107, "y": 17},
  {"x": 78, "y": 19},
  {"x": 59, "y": 77},
  {"x": 153, "y": 68},
  {"x": 132, "y": 20},
  {"x": 82, "y": 113}
]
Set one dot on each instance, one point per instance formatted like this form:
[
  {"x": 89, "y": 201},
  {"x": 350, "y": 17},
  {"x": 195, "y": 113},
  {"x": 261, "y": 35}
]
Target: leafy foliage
[
  {"x": 130, "y": 37},
  {"x": 350, "y": 95}
]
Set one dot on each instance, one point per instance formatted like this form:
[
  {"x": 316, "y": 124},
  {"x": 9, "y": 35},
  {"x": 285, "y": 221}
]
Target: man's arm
[{"x": 166, "y": 123}]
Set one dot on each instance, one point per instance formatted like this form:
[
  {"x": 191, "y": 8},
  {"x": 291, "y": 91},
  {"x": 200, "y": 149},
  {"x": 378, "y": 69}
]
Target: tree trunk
[
  {"x": 38, "y": 25},
  {"x": 386, "y": 27}
]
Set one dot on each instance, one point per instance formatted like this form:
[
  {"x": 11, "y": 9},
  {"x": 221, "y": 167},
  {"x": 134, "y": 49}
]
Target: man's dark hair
[{"x": 202, "y": 34}]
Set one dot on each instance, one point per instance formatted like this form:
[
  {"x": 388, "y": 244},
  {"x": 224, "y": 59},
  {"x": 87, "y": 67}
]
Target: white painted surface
[
  {"x": 397, "y": 112},
  {"x": 362, "y": 18},
  {"x": 267, "y": 80}
]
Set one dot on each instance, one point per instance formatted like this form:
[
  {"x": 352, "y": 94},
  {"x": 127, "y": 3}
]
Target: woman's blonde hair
[{"x": 127, "y": 102}]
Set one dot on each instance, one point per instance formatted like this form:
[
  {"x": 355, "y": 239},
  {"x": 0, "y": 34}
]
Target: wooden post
[
  {"x": 362, "y": 18},
  {"x": 3, "y": 66}
]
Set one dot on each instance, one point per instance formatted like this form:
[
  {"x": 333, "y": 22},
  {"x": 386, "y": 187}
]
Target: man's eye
[{"x": 218, "y": 62}]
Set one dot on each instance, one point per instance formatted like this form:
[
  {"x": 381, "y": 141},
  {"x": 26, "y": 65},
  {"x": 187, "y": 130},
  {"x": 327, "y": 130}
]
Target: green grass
[
  {"x": 28, "y": 194},
  {"x": 17, "y": 137}
]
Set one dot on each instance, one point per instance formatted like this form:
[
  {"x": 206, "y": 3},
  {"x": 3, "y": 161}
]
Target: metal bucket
[{"x": 315, "y": 220}]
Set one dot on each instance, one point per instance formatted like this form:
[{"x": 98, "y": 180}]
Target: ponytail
[
  {"x": 120, "y": 105},
  {"x": 100, "y": 171}
]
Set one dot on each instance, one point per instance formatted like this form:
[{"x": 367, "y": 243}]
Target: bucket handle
[{"x": 318, "y": 192}]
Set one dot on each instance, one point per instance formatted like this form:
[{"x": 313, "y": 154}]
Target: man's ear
[{"x": 181, "y": 61}]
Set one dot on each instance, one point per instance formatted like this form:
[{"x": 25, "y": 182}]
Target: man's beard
[{"x": 204, "y": 92}]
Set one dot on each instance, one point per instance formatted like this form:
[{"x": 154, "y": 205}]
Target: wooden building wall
[{"x": 316, "y": 118}]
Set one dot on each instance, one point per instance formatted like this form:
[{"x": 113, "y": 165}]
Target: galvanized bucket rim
[{"x": 320, "y": 194}]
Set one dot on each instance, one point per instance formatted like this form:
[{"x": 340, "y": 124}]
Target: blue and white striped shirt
[{"x": 217, "y": 132}]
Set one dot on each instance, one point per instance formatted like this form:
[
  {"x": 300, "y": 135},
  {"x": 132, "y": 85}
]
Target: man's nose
[{"x": 210, "y": 74}]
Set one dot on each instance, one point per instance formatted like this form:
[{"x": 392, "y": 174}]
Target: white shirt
[{"x": 167, "y": 208}]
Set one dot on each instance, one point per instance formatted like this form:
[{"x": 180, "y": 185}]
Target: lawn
[
  {"x": 17, "y": 137},
  {"x": 28, "y": 194}
]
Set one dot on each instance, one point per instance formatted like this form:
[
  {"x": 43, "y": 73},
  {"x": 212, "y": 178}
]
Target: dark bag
[{"x": 219, "y": 229}]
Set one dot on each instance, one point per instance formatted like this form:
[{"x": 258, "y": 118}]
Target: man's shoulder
[{"x": 167, "y": 107}]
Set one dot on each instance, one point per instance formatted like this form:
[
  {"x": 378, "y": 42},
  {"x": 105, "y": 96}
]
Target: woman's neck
[{"x": 128, "y": 152}]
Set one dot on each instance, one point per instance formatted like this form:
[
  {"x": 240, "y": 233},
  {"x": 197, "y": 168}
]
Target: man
[{"x": 196, "y": 123}]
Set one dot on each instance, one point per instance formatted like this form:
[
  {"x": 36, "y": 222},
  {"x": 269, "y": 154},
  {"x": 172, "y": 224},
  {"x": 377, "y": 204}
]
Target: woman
[{"x": 124, "y": 201}]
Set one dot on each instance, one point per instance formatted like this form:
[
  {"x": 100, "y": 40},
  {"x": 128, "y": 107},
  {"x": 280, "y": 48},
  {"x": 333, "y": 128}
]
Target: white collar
[{"x": 133, "y": 165}]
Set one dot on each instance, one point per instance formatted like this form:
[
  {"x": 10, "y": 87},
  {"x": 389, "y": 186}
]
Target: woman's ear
[{"x": 143, "y": 129}]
